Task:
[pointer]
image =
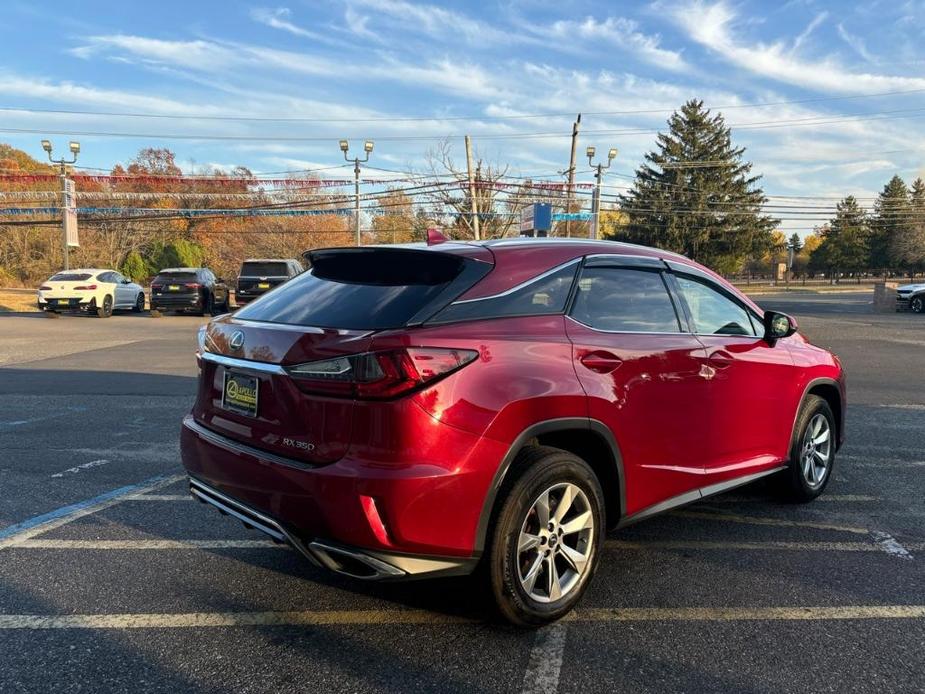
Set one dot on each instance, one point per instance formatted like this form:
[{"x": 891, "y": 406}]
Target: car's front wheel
[
  {"x": 547, "y": 536},
  {"x": 812, "y": 451},
  {"x": 917, "y": 304}
]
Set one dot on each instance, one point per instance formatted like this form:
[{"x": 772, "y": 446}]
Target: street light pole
[
  {"x": 368, "y": 148},
  {"x": 62, "y": 162},
  {"x": 596, "y": 199}
]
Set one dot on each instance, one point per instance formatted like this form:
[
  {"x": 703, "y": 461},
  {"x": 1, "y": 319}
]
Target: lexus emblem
[{"x": 237, "y": 340}]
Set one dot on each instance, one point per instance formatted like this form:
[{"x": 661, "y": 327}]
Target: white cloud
[
  {"x": 711, "y": 25},
  {"x": 358, "y": 24},
  {"x": 279, "y": 19},
  {"x": 620, "y": 32},
  {"x": 437, "y": 22},
  {"x": 856, "y": 43},
  {"x": 810, "y": 28},
  {"x": 71, "y": 93}
]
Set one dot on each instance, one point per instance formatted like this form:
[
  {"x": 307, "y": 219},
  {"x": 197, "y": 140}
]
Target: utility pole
[
  {"x": 599, "y": 175},
  {"x": 368, "y": 148},
  {"x": 68, "y": 218},
  {"x": 571, "y": 174},
  {"x": 473, "y": 200},
  {"x": 790, "y": 250}
]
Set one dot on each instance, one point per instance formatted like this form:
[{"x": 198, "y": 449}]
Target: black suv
[
  {"x": 258, "y": 276},
  {"x": 190, "y": 289}
]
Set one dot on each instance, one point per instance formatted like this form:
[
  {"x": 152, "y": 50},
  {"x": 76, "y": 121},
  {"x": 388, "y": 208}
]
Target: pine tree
[
  {"x": 796, "y": 243},
  {"x": 695, "y": 195},
  {"x": 908, "y": 249},
  {"x": 890, "y": 225},
  {"x": 845, "y": 243}
]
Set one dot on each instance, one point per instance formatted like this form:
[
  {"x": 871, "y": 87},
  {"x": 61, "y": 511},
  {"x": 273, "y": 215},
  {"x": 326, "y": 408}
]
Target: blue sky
[{"x": 391, "y": 61}]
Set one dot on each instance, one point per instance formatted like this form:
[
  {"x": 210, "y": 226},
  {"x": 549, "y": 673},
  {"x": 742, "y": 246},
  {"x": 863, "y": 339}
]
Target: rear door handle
[{"x": 601, "y": 362}]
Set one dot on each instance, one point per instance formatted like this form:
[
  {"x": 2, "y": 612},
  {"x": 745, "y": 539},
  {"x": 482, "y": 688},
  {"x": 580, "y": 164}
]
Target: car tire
[
  {"x": 539, "y": 567},
  {"x": 917, "y": 304},
  {"x": 105, "y": 311},
  {"x": 812, "y": 451},
  {"x": 139, "y": 303}
]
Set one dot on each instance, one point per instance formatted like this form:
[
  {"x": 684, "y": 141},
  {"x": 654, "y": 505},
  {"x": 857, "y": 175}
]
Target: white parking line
[
  {"x": 149, "y": 544},
  {"x": 824, "y": 497},
  {"x": 890, "y": 545},
  {"x": 26, "y": 530},
  {"x": 85, "y": 466},
  {"x": 198, "y": 620},
  {"x": 769, "y": 546},
  {"x": 764, "y": 520},
  {"x": 159, "y": 497},
  {"x": 545, "y": 664}
]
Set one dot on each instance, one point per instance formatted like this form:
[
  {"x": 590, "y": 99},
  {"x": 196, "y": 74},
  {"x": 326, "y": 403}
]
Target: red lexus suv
[{"x": 422, "y": 410}]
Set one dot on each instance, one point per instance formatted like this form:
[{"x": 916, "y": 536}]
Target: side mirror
[{"x": 778, "y": 325}]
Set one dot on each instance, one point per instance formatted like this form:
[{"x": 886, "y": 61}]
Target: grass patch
[{"x": 19, "y": 302}]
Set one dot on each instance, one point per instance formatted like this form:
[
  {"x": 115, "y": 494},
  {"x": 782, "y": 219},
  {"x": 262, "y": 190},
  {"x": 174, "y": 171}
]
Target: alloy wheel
[
  {"x": 555, "y": 543},
  {"x": 816, "y": 451}
]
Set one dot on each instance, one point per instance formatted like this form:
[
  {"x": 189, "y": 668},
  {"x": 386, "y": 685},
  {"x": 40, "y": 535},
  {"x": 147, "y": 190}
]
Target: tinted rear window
[
  {"x": 360, "y": 289},
  {"x": 264, "y": 270},
  {"x": 176, "y": 277},
  {"x": 71, "y": 277}
]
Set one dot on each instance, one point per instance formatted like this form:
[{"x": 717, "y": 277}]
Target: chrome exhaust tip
[{"x": 352, "y": 562}]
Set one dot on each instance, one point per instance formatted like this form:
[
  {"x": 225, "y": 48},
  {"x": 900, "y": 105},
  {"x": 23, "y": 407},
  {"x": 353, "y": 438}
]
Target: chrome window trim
[
  {"x": 627, "y": 332},
  {"x": 522, "y": 285},
  {"x": 234, "y": 363}
]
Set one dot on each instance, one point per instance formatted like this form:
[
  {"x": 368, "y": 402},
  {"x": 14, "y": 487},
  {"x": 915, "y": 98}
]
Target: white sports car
[{"x": 90, "y": 290}]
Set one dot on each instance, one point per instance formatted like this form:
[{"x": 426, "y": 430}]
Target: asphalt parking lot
[{"x": 112, "y": 579}]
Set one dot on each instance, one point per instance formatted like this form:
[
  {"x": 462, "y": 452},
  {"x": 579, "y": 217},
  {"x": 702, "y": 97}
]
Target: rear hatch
[
  {"x": 258, "y": 277},
  {"x": 294, "y": 356},
  {"x": 180, "y": 285},
  {"x": 68, "y": 285}
]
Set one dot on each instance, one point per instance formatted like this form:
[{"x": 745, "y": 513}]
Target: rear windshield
[
  {"x": 363, "y": 289},
  {"x": 176, "y": 277},
  {"x": 264, "y": 270},
  {"x": 71, "y": 277}
]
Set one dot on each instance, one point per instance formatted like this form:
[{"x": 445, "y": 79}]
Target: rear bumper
[
  {"x": 351, "y": 561},
  {"x": 73, "y": 304},
  {"x": 364, "y": 520},
  {"x": 177, "y": 302}
]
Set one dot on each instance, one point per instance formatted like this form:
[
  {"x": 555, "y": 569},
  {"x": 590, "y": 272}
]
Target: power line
[
  {"x": 757, "y": 125},
  {"x": 402, "y": 119}
]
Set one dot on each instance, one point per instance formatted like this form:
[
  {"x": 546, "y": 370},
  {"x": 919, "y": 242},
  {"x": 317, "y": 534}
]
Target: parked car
[
  {"x": 194, "y": 289},
  {"x": 91, "y": 290},
  {"x": 912, "y": 297},
  {"x": 409, "y": 411},
  {"x": 258, "y": 276}
]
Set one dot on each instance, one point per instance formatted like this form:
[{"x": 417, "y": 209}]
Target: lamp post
[
  {"x": 368, "y": 148},
  {"x": 599, "y": 175},
  {"x": 62, "y": 162}
]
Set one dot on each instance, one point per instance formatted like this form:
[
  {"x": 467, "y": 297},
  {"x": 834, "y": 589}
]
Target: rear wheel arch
[{"x": 588, "y": 439}]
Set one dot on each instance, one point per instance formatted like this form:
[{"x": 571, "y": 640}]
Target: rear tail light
[
  {"x": 192, "y": 285},
  {"x": 85, "y": 288},
  {"x": 44, "y": 287},
  {"x": 156, "y": 286},
  {"x": 380, "y": 375}
]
